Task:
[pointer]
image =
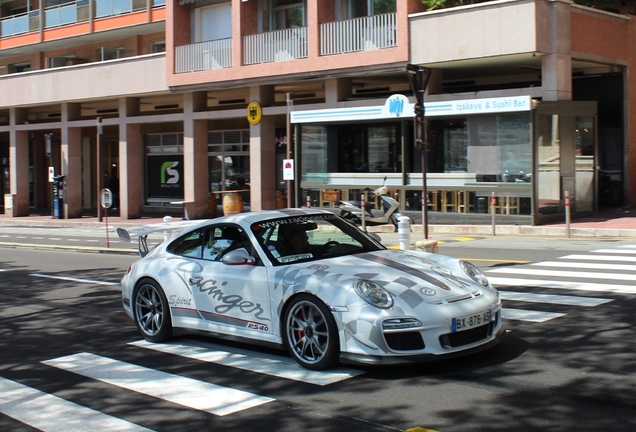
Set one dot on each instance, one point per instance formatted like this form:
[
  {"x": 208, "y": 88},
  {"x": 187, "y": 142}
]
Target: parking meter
[{"x": 58, "y": 196}]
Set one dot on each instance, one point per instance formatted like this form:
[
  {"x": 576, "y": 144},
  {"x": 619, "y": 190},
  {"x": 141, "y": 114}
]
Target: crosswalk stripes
[
  {"x": 278, "y": 366},
  {"x": 183, "y": 391},
  {"x": 53, "y": 414},
  {"x": 574, "y": 272}
]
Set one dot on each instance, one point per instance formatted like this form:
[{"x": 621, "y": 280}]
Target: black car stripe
[{"x": 406, "y": 269}]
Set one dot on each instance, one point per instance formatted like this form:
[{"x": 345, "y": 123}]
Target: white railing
[
  {"x": 200, "y": 56},
  {"x": 359, "y": 34},
  {"x": 280, "y": 45}
]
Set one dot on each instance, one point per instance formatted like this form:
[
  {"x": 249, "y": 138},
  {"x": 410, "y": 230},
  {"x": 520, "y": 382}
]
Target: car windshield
[{"x": 310, "y": 238}]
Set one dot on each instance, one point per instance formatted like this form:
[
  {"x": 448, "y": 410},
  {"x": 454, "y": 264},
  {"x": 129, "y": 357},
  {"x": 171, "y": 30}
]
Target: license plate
[{"x": 470, "y": 321}]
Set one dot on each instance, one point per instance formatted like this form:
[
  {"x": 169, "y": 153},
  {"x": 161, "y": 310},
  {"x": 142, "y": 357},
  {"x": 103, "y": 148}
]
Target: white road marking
[
  {"x": 50, "y": 413},
  {"x": 575, "y": 286},
  {"x": 627, "y": 246},
  {"x": 583, "y": 266},
  {"x": 600, "y": 257},
  {"x": 72, "y": 279},
  {"x": 528, "y": 315},
  {"x": 282, "y": 367},
  {"x": 183, "y": 391},
  {"x": 614, "y": 251},
  {"x": 54, "y": 238},
  {"x": 563, "y": 273},
  {"x": 553, "y": 299}
]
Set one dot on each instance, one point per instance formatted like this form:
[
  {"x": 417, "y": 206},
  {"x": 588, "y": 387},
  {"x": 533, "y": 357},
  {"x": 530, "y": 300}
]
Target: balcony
[
  {"x": 69, "y": 13},
  {"x": 209, "y": 55},
  {"x": 19, "y": 24},
  {"x": 359, "y": 34},
  {"x": 280, "y": 45}
]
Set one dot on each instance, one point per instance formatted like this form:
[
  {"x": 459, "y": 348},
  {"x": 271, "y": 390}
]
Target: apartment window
[
  {"x": 287, "y": 14},
  {"x": 362, "y": 8},
  {"x": 214, "y": 22},
  {"x": 20, "y": 67},
  {"x": 157, "y": 46}
]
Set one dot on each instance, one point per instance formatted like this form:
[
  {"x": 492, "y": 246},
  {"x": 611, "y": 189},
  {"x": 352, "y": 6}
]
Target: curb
[{"x": 70, "y": 248}]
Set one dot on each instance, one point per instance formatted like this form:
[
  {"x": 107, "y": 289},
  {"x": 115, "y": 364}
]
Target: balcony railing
[
  {"x": 359, "y": 34},
  {"x": 200, "y": 56},
  {"x": 280, "y": 45},
  {"x": 106, "y": 8},
  {"x": 14, "y": 25},
  {"x": 67, "y": 13}
]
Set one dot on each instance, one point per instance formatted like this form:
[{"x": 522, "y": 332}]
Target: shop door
[{"x": 565, "y": 152}]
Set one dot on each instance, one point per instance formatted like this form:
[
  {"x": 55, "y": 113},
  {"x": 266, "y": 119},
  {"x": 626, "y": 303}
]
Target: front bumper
[{"x": 366, "y": 359}]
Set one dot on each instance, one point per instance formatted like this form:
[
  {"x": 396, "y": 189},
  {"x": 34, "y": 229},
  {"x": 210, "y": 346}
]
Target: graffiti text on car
[{"x": 230, "y": 301}]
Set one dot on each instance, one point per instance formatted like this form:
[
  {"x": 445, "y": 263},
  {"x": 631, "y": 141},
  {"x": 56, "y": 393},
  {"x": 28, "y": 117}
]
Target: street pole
[
  {"x": 98, "y": 169},
  {"x": 290, "y": 183},
  {"x": 418, "y": 78}
]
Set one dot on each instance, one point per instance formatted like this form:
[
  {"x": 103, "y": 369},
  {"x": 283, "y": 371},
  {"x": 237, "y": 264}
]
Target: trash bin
[{"x": 482, "y": 206}]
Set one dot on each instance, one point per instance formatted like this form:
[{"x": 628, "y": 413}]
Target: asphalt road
[{"x": 566, "y": 363}]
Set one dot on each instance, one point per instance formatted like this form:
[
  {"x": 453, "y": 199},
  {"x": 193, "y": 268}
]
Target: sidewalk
[{"x": 618, "y": 222}]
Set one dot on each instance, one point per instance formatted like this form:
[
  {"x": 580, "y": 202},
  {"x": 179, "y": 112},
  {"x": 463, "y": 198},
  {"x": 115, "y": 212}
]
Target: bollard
[
  {"x": 166, "y": 234},
  {"x": 567, "y": 214},
  {"x": 493, "y": 209},
  {"x": 364, "y": 222},
  {"x": 308, "y": 201},
  {"x": 404, "y": 232}
]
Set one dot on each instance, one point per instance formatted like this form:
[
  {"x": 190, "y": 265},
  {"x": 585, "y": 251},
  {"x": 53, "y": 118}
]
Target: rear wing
[{"x": 142, "y": 232}]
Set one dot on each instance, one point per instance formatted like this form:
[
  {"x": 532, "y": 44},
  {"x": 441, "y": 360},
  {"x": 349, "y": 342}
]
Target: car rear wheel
[
  {"x": 152, "y": 313},
  {"x": 310, "y": 333}
]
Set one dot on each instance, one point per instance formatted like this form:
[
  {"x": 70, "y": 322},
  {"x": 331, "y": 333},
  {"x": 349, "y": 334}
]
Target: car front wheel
[
  {"x": 152, "y": 314},
  {"x": 310, "y": 333}
]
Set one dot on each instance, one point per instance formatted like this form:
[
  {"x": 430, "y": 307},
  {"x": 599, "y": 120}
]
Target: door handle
[{"x": 194, "y": 280}]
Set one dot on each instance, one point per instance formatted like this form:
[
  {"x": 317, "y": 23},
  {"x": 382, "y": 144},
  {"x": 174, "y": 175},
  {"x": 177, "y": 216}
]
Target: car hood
[{"x": 434, "y": 278}]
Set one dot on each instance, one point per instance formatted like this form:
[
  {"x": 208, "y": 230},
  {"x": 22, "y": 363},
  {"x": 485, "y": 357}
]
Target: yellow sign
[{"x": 254, "y": 113}]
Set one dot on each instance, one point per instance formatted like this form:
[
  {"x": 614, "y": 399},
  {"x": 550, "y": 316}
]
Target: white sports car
[{"x": 309, "y": 281}]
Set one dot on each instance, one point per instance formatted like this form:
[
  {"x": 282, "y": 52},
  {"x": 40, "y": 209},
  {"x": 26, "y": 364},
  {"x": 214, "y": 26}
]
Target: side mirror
[{"x": 238, "y": 257}]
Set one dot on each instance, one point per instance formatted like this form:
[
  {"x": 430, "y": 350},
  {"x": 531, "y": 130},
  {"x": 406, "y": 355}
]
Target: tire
[
  {"x": 152, "y": 313},
  {"x": 310, "y": 333}
]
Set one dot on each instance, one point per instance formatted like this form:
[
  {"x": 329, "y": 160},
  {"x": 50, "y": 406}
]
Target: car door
[{"x": 232, "y": 299}]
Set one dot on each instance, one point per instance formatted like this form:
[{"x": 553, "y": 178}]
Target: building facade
[{"x": 171, "y": 102}]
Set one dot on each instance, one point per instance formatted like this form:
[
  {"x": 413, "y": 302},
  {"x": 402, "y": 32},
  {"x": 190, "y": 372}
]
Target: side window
[
  {"x": 221, "y": 240},
  {"x": 188, "y": 245}
]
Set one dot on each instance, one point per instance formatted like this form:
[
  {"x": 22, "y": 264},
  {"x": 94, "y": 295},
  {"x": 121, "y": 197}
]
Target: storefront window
[
  {"x": 164, "y": 166},
  {"x": 366, "y": 148},
  {"x": 315, "y": 156},
  {"x": 500, "y": 148},
  {"x": 549, "y": 161},
  {"x": 455, "y": 141},
  {"x": 584, "y": 163},
  {"x": 229, "y": 160}
]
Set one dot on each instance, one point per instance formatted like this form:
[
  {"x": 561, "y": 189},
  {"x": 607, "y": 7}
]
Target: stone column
[
  {"x": 131, "y": 162},
  {"x": 336, "y": 90},
  {"x": 556, "y": 67},
  {"x": 71, "y": 157},
  {"x": 195, "y": 157},
  {"x": 18, "y": 165},
  {"x": 263, "y": 154}
]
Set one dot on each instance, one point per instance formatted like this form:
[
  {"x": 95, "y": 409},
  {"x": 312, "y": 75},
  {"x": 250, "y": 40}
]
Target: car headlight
[
  {"x": 474, "y": 273},
  {"x": 373, "y": 294}
]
